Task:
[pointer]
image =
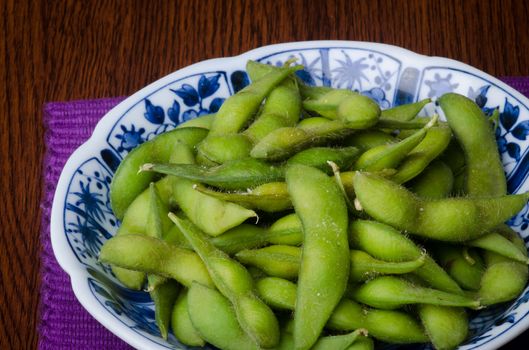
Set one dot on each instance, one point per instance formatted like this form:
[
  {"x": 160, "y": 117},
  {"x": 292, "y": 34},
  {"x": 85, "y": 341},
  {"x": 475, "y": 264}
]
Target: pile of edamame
[{"x": 303, "y": 217}]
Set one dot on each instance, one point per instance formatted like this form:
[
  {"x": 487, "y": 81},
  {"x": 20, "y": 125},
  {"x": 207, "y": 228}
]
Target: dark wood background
[{"x": 63, "y": 50}]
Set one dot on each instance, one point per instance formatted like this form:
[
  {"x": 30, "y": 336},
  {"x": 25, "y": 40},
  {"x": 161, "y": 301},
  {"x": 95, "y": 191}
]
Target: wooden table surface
[{"x": 64, "y": 50}]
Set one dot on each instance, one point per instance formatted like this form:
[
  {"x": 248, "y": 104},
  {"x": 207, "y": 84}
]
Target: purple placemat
[{"x": 64, "y": 323}]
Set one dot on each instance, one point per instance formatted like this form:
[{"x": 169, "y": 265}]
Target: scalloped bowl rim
[{"x": 62, "y": 250}]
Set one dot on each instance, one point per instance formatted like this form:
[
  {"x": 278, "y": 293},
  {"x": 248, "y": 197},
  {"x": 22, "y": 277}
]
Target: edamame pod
[
  {"x": 137, "y": 215},
  {"x": 327, "y": 104},
  {"x": 275, "y": 260},
  {"x": 447, "y": 327},
  {"x": 339, "y": 342},
  {"x": 234, "y": 175},
  {"x": 283, "y": 261},
  {"x": 391, "y": 326},
  {"x": 212, "y": 215},
  {"x": 389, "y": 292},
  {"x": 435, "y": 182},
  {"x": 365, "y": 267},
  {"x": 163, "y": 291},
  {"x": 386, "y": 243},
  {"x": 151, "y": 255},
  {"x": 484, "y": 171},
  {"x": 323, "y": 214},
  {"x": 203, "y": 121},
  {"x": 270, "y": 197},
  {"x": 405, "y": 112},
  {"x": 164, "y": 297},
  {"x": 244, "y": 236},
  {"x": 318, "y": 157},
  {"x": 134, "y": 222},
  {"x": 220, "y": 149},
  {"x": 357, "y": 111},
  {"x": 503, "y": 280},
  {"x": 451, "y": 257},
  {"x": 464, "y": 218},
  {"x": 390, "y": 155},
  {"x": 433, "y": 144},
  {"x": 286, "y": 230},
  {"x": 213, "y": 316},
  {"x": 239, "y": 108},
  {"x": 234, "y": 282},
  {"x": 277, "y": 292},
  {"x": 367, "y": 139},
  {"x": 284, "y": 142},
  {"x": 282, "y": 108},
  {"x": 496, "y": 243},
  {"x": 183, "y": 329},
  {"x": 127, "y": 184},
  {"x": 363, "y": 343}
]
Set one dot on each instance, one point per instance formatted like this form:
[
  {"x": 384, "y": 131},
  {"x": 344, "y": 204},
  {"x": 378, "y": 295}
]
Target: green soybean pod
[
  {"x": 164, "y": 297},
  {"x": 282, "y": 108},
  {"x": 323, "y": 214},
  {"x": 464, "y": 218},
  {"x": 275, "y": 260},
  {"x": 435, "y": 182},
  {"x": 239, "y": 108},
  {"x": 282, "y": 143},
  {"x": 233, "y": 175},
  {"x": 134, "y": 222},
  {"x": 327, "y": 104},
  {"x": 213, "y": 316},
  {"x": 446, "y": 326},
  {"x": 367, "y": 139},
  {"x": 136, "y": 216},
  {"x": 503, "y": 280},
  {"x": 389, "y": 292},
  {"x": 286, "y": 230},
  {"x": 163, "y": 291},
  {"x": 389, "y": 155},
  {"x": 496, "y": 243},
  {"x": 433, "y": 144},
  {"x": 127, "y": 184},
  {"x": 203, "y": 121},
  {"x": 244, "y": 236},
  {"x": 220, "y": 149},
  {"x": 270, "y": 197},
  {"x": 484, "y": 171},
  {"x": 503, "y": 241},
  {"x": 283, "y": 261},
  {"x": 362, "y": 343},
  {"x": 454, "y": 157},
  {"x": 318, "y": 157},
  {"x": 365, "y": 267},
  {"x": 234, "y": 282},
  {"x": 183, "y": 329},
  {"x": 277, "y": 292},
  {"x": 212, "y": 215},
  {"x": 386, "y": 243},
  {"x": 152, "y": 255},
  {"x": 406, "y": 111},
  {"x": 392, "y": 326},
  {"x": 339, "y": 342},
  {"x": 452, "y": 258}
]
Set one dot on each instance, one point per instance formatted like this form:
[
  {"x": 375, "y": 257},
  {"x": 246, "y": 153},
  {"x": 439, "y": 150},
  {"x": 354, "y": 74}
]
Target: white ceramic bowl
[{"x": 82, "y": 218}]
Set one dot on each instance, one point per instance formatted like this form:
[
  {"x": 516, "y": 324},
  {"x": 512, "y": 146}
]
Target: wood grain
[{"x": 63, "y": 50}]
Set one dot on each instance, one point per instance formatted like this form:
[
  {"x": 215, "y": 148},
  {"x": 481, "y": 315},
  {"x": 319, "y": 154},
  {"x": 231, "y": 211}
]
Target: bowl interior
[{"x": 83, "y": 218}]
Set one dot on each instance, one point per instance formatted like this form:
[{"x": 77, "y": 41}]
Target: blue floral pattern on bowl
[{"x": 82, "y": 218}]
